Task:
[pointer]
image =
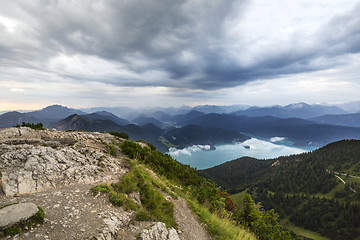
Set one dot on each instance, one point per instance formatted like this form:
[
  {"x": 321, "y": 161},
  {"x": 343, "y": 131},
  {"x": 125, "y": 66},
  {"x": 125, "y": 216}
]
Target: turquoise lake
[{"x": 201, "y": 157}]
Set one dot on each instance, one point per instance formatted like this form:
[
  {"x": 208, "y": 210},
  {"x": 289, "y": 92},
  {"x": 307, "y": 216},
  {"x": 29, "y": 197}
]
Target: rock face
[
  {"x": 16, "y": 213},
  {"x": 52, "y": 159},
  {"x": 159, "y": 232}
]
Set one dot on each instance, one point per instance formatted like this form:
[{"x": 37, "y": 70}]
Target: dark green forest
[{"x": 303, "y": 188}]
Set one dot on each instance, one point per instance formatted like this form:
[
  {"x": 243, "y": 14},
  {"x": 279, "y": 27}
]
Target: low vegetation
[
  {"x": 37, "y": 126},
  {"x": 222, "y": 228},
  {"x": 153, "y": 204},
  {"x": 119, "y": 135}
]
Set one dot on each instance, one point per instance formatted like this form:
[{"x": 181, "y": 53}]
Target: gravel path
[
  {"x": 71, "y": 213},
  {"x": 187, "y": 223}
]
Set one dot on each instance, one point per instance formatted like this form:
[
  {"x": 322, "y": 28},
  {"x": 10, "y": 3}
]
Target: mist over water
[{"x": 200, "y": 157}]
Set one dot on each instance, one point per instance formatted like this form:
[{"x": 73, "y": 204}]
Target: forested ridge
[{"x": 303, "y": 188}]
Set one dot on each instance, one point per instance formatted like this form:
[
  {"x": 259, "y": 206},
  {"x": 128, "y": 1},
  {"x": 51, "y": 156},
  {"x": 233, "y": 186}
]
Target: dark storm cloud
[
  {"x": 342, "y": 34},
  {"x": 182, "y": 40}
]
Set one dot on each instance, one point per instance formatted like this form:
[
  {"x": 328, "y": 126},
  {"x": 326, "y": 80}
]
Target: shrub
[
  {"x": 37, "y": 126},
  {"x": 118, "y": 199},
  {"x": 142, "y": 215},
  {"x": 100, "y": 188},
  {"x": 152, "y": 147},
  {"x": 111, "y": 149},
  {"x": 120, "y": 135}
]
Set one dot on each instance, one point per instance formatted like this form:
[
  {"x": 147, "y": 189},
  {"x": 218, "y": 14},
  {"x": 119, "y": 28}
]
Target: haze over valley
[{"x": 262, "y": 132}]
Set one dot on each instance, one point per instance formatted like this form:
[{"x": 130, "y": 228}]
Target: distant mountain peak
[
  {"x": 104, "y": 113},
  {"x": 194, "y": 112},
  {"x": 53, "y": 113},
  {"x": 55, "y": 106},
  {"x": 298, "y": 105}
]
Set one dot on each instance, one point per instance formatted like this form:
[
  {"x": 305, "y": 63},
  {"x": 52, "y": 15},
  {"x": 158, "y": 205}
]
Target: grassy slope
[
  {"x": 237, "y": 196},
  {"x": 301, "y": 231},
  {"x": 220, "y": 228}
]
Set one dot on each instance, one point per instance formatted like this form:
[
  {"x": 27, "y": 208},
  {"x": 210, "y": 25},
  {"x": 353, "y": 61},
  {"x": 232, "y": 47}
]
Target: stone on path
[
  {"x": 16, "y": 213},
  {"x": 159, "y": 232}
]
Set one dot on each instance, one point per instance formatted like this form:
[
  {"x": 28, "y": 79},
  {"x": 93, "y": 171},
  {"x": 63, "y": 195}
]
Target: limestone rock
[
  {"x": 16, "y": 213},
  {"x": 136, "y": 197},
  {"x": 113, "y": 222},
  {"x": 26, "y": 183},
  {"x": 159, "y": 232},
  {"x": 50, "y": 159}
]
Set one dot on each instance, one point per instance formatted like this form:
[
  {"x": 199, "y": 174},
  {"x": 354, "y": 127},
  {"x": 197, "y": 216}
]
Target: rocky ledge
[{"x": 33, "y": 160}]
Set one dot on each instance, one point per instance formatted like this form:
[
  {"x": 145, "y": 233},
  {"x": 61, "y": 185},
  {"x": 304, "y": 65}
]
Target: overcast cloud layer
[{"x": 143, "y": 52}]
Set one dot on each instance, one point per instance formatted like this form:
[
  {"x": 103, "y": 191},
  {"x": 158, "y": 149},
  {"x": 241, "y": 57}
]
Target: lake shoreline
[{"x": 204, "y": 156}]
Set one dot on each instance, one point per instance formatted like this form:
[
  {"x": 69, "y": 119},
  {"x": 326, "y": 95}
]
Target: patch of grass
[
  {"x": 38, "y": 218},
  {"x": 17, "y": 229},
  {"x": 154, "y": 205},
  {"x": 111, "y": 149},
  {"x": 116, "y": 198},
  {"x": 301, "y": 231},
  {"x": 128, "y": 183},
  {"x": 140, "y": 170},
  {"x": 218, "y": 227},
  {"x": 142, "y": 215},
  {"x": 101, "y": 188},
  {"x": 158, "y": 207},
  {"x": 237, "y": 196}
]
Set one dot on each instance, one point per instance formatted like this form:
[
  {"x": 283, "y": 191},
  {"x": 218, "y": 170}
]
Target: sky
[{"x": 136, "y": 53}]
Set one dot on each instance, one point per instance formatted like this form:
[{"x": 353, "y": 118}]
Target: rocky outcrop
[
  {"x": 32, "y": 161},
  {"x": 16, "y": 213},
  {"x": 159, "y": 232},
  {"x": 113, "y": 222}
]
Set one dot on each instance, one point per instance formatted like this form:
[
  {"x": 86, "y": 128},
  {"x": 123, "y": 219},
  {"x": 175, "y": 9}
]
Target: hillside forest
[{"x": 305, "y": 190}]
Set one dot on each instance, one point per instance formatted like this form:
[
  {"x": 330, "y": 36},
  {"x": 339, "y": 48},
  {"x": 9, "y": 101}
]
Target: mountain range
[
  {"x": 351, "y": 120},
  {"x": 13, "y": 118},
  {"x": 301, "y": 123},
  {"x": 297, "y": 110}
]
